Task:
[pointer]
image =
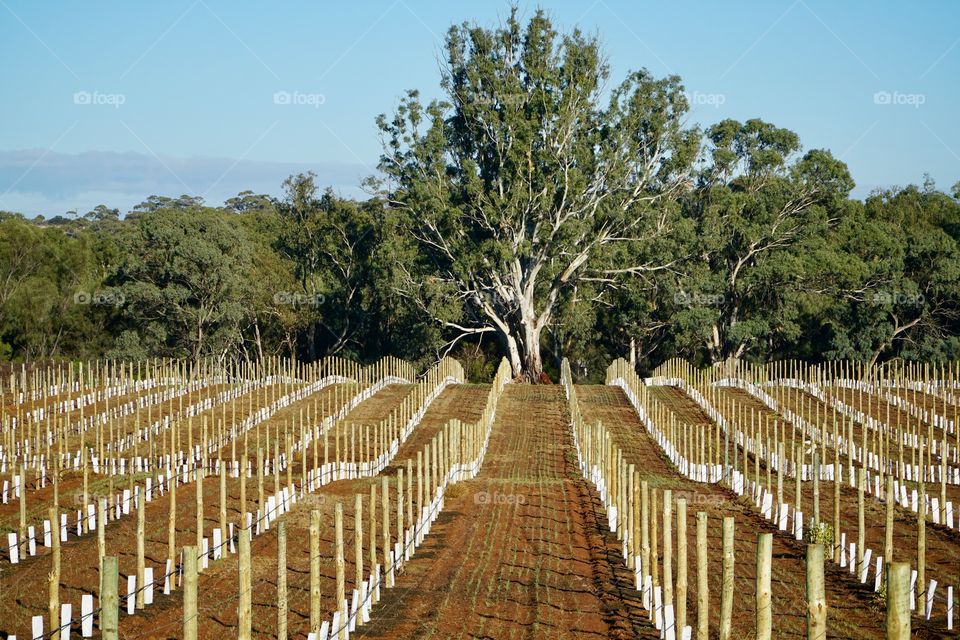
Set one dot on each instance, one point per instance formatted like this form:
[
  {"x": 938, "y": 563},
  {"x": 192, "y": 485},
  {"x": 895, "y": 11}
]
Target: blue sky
[{"x": 114, "y": 101}]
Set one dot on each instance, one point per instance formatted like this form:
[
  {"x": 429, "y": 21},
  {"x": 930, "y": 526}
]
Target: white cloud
[{"x": 34, "y": 181}]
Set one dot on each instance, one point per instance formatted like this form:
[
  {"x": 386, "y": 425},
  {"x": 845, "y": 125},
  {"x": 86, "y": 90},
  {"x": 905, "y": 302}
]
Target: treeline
[
  {"x": 311, "y": 274},
  {"x": 299, "y": 276},
  {"x": 538, "y": 211}
]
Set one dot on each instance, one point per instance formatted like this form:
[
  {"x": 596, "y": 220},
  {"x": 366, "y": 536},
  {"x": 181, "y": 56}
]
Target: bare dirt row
[
  {"x": 522, "y": 551},
  {"x": 853, "y": 611},
  {"x": 942, "y": 543}
]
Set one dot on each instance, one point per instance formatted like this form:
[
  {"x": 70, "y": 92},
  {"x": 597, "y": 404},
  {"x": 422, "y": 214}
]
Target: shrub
[{"x": 820, "y": 533}]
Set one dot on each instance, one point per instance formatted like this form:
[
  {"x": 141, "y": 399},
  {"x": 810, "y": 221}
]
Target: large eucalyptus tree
[{"x": 529, "y": 177}]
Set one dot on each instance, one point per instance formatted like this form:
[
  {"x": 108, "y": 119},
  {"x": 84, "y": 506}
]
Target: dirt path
[
  {"x": 390, "y": 397},
  {"x": 464, "y": 402},
  {"x": 519, "y": 552},
  {"x": 851, "y": 613}
]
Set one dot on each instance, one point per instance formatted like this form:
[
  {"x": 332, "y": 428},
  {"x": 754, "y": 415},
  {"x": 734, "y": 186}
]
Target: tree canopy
[
  {"x": 538, "y": 210},
  {"x": 525, "y": 181}
]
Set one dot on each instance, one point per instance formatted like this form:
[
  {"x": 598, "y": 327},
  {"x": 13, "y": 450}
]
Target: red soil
[{"x": 521, "y": 551}]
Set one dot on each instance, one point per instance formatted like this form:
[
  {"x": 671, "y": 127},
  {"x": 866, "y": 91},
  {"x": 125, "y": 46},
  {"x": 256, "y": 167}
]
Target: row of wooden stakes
[{"x": 635, "y": 517}]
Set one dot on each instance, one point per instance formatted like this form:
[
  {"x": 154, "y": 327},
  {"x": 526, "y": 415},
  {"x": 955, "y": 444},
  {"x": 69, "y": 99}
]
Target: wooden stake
[
  {"x": 315, "y": 572},
  {"x": 172, "y": 522},
  {"x": 199, "y": 484},
  {"x": 681, "y": 565},
  {"x": 764, "y": 560},
  {"x": 400, "y": 507},
  {"x": 23, "y": 510},
  {"x": 836, "y": 504},
  {"x": 101, "y": 534},
  {"x": 341, "y": 578},
  {"x": 644, "y": 531},
  {"x": 385, "y": 498},
  {"x": 703, "y": 585},
  {"x": 373, "y": 540},
  {"x": 861, "y": 528},
  {"x": 54, "y": 576},
  {"x": 260, "y": 495},
  {"x": 243, "y": 483},
  {"x": 816, "y": 597},
  {"x": 667, "y": 550},
  {"x": 141, "y": 563},
  {"x": 898, "y": 601},
  {"x": 189, "y": 592},
  {"x": 888, "y": 540},
  {"x": 282, "y": 581},
  {"x": 246, "y": 595},
  {"x": 816, "y": 485},
  {"x": 654, "y": 539},
  {"x": 726, "y": 595},
  {"x": 358, "y": 539},
  {"x": 922, "y": 549},
  {"x": 109, "y": 599},
  {"x": 223, "y": 508}
]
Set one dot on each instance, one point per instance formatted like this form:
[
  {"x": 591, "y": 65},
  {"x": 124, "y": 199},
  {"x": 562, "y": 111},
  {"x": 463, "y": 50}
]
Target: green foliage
[
  {"x": 820, "y": 533},
  {"x": 878, "y": 599},
  {"x": 537, "y": 207},
  {"x": 42, "y": 269},
  {"x": 527, "y": 182},
  {"x": 181, "y": 282}
]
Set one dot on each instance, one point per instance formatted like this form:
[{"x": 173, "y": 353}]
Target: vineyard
[{"x": 172, "y": 499}]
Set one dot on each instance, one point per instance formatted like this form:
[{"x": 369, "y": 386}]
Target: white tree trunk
[
  {"x": 531, "y": 327},
  {"x": 532, "y": 362},
  {"x": 522, "y": 342},
  {"x": 513, "y": 350}
]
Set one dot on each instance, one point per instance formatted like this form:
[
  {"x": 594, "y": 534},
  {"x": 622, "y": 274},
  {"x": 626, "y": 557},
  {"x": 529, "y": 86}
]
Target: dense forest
[
  {"x": 314, "y": 274},
  {"x": 534, "y": 213}
]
